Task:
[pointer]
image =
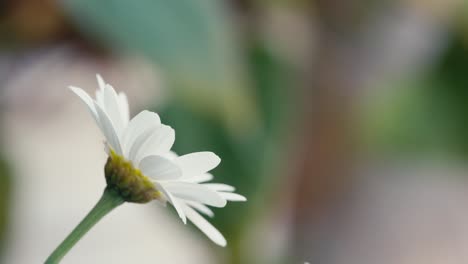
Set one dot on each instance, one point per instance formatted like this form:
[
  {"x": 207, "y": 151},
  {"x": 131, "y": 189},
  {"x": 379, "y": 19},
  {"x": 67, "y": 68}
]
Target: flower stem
[{"x": 109, "y": 200}]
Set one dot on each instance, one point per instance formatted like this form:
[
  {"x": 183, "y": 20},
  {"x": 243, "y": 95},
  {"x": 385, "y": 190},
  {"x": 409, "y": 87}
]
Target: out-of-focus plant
[
  {"x": 191, "y": 41},
  {"x": 425, "y": 113},
  {"x": 253, "y": 163},
  {"x": 5, "y": 192}
]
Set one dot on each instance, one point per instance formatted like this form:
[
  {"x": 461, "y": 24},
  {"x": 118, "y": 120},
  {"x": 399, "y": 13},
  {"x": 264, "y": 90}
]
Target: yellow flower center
[{"x": 128, "y": 181}]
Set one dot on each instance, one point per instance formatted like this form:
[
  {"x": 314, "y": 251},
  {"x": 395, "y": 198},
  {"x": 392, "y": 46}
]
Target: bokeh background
[{"x": 345, "y": 123}]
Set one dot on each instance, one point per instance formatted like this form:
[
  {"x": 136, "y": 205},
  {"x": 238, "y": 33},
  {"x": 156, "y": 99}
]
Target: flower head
[{"x": 141, "y": 166}]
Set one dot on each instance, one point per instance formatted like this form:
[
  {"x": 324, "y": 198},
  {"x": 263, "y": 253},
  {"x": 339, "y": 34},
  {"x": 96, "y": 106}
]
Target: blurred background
[{"x": 345, "y": 123}]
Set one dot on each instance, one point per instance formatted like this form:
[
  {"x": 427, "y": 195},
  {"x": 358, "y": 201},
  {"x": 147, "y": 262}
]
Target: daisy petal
[
  {"x": 233, "y": 197},
  {"x": 174, "y": 201},
  {"x": 208, "y": 229},
  {"x": 100, "y": 91},
  {"x": 195, "y": 192},
  {"x": 124, "y": 109},
  {"x": 160, "y": 168},
  {"x": 101, "y": 82},
  {"x": 144, "y": 122},
  {"x": 108, "y": 129},
  {"x": 197, "y": 163},
  {"x": 220, "y": 187},
  {"x": 200, "y": 178},
  {"x": 112, "y": 108},
  {"x": 158, "y": 143},
  {"x": 137, "y": 144},
  {"x": 87, "y": 100},
  {"x": 200, "y": 208},
  {"x": 171, "y": 155}
]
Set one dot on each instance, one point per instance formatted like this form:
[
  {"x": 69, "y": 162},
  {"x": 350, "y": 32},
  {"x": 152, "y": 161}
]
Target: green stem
[{"x": 109, "y": 200}]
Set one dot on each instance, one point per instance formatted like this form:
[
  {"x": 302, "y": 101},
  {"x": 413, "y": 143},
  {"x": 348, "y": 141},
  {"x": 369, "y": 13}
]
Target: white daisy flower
[{"x": 141, "y": 167}]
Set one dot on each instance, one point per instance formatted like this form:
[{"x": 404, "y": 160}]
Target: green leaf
[{"x": 190, "y": 40}]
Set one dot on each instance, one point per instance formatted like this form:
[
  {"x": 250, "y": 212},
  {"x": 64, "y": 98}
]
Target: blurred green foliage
[
  {"x": 192, "y": 42},
  {"x": 424, "y": 114},
  {"x": 450, "y": 80},
  {"x": 249, "y": 163},
  {"x": 5, "y": 195}
]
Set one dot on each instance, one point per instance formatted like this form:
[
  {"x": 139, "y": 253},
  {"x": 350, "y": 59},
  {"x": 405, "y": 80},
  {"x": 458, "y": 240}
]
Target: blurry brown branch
[{"x": 324, "y": 147}]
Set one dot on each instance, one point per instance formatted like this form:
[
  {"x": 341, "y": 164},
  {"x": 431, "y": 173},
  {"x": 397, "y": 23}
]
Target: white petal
[
  {"x": 124, "y": 109},
  {"x": 233, "y": 197},
  {"x": 112, "y": 108},
  {"x": 87, "y": 100},
  {"x": 208, "y": 229},
  {"x": 137, "y": 144},
  {"x": 144, "y": 122},
  {"x": 171, "y": 154},
  {"x": 195, "y": 192},
  {"x": 200, "y": 178},
  {"x": 101, "y": 82},
  {"x": 108, "y": 130},
  {"x": 160, "y": 168},
  {"x": 200, "y": 208},
  {"x": 100, "y": 91},
  {"x": 174, "y": 201},
  {"x": 197, "y": 163},
  {"x": 220, "y": 187},
  {"x": 158, "y": 143},
  {"x": 100, "y": 98}
]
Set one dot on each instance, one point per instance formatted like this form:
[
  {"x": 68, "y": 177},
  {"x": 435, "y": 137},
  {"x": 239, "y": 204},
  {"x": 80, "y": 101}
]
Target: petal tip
[
  {"x": 222, "y": 243},
  {"x": 216, "y": 157},
  {"x": 73, "y": 88},
  {"x": 241, "y": 198},
  {"x": 222, "y": 203}
]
